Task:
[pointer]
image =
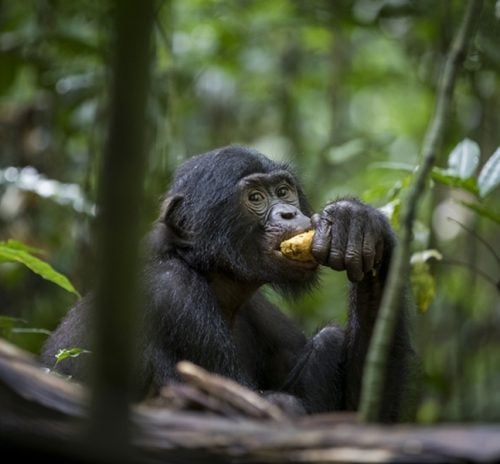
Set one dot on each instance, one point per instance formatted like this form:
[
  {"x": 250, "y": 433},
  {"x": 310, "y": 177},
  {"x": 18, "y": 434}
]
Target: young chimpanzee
[{"x": 215, "y": 244}]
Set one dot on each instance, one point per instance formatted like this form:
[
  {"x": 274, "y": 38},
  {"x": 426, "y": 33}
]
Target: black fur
[{"x": 205, "y": 260}]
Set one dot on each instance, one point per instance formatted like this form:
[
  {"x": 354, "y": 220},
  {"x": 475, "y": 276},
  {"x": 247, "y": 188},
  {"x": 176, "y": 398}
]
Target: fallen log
[{"x": 43, "y": 415}]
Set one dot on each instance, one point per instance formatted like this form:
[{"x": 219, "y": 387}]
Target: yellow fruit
[{"x": 298, "y": 247}]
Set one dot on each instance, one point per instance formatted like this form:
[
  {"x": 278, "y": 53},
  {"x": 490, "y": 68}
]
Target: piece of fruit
[{"x": 298, "y": 247}]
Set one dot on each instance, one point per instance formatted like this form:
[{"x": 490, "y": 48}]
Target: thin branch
[
  {"x": 478, "y": 237},
  {"x": 373, "y": 381},
  {"x": 456, "y": 262},
  {"x": 229, "y": 392}
]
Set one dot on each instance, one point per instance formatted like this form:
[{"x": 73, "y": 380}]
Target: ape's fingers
[
  {"x": 353, "y": 258},
  {"x": 339, "y": 238},
  {"x": 321, "y": 239},
  {"x": 369, "y": 252}
]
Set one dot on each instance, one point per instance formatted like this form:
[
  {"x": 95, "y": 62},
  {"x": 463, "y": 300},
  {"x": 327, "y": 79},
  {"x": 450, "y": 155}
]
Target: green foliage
[
  {"x": 428, "y": 412},
  {"x": 483, "y": 211},
  {"x": 464, "y": 159},
  {"x": 392, "y": 211},
  {"x": 341, "y": 90},
  {"x": 461, "y": 173},
  {"x": 7, "y": 323},
  {"x": 443, "y": 176},
  {"x": 14, "y": 251},
  {"x": 10, "y": 326},
  {"x": 462, "y": 164},
  {"x": 66, "y": 353},
  {"x": 423, "y": 282},
  {"x": 489, "y": 177}
]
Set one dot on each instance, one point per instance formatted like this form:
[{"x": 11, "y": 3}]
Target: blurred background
[{"x": 342, "y": 90}]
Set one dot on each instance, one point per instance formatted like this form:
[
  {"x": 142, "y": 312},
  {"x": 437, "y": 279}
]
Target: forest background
[{"x": 343, "y": 90}]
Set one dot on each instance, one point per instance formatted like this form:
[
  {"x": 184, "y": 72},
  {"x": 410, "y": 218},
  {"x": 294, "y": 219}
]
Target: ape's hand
[{"x": 351, "y": 236}]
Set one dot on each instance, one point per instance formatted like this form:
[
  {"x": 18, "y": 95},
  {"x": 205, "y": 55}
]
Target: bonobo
[{"x": 214, "y": 245}]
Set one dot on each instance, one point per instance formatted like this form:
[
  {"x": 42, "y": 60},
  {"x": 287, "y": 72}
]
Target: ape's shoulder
[{"x": 171, "y": 278}]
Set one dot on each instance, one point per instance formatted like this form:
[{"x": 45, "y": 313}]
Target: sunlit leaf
[
  {"x": 16, "y": 245},
  {"x": 66, "y": 353},
  {"x": 425, "y": 255},
  {"x": 30, "y": 180},
  {"x": 444, "y": 177},
  {"x": 13, "y": 251},
  {"x": 489, "y": 177},
  {"x": 463, "y": 159}
]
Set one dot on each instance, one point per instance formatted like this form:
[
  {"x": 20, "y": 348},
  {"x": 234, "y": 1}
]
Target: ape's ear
[
  {"x": 172, "y": 219},
  {"x": 168, "y": 208}
]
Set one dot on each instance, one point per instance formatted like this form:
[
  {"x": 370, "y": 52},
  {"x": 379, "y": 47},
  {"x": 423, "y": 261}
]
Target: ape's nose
[{"x": 289, "y": 214}]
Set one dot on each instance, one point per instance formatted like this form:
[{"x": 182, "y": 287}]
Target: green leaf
[
  {"x": 423, "y": 285},
  {"x": 428, "y": 411},
  {"x": 463, "y": 159},
  {"x": 422, "y": 281},
  {"x": 30, "y": 330},
  {"x": 483, "y": 211},
  {"x": 13, "y": 251},
  {"x": 392, "y": 210},
  {"x": 15, "y": 245},
  {"x": 7, "y": 322},
  {"x": 8, "y": 326},
  {"x": 489, "y": 177},
  {"x": 444, "y": 177},
  {"x": 66, "y": 353},
  {"x": 393, "y": 166},
  {"x": 425, "y": 255}
]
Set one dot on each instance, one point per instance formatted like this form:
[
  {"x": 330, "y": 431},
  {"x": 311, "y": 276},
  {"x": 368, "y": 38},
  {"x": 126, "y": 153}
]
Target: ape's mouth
[
  {"x": 288, "y": 234},
  {"x": 291, "y": 255},
  {"x": 310, "y": 264}
]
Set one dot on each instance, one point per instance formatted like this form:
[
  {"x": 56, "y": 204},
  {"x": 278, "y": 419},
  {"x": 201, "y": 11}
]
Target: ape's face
[{"x": 272, "y": 200}]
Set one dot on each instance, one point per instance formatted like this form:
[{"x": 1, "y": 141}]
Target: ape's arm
[
  {"x": 269, "y": 340},
  {"x": 355, "y": 237},
  {"x": 365, "y": 300}
]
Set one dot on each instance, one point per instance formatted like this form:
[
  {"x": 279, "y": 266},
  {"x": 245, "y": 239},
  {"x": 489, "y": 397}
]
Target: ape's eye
[
  {"x": 255, "y": 197},
  {"x": 283, "y": 191}
]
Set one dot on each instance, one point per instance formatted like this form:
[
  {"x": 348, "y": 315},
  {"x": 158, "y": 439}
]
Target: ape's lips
[{"x": 309, "y": 265}]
